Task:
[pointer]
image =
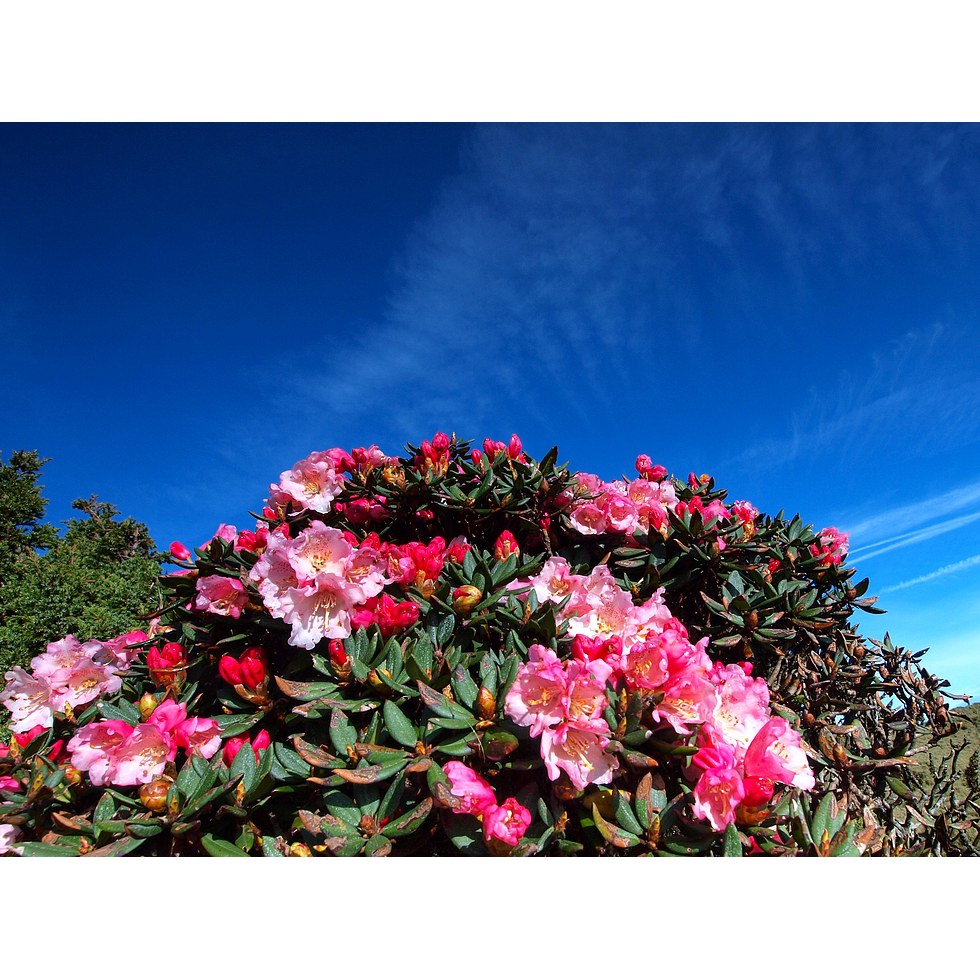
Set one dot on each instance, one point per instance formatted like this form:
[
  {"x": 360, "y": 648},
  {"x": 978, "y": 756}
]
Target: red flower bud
[
  {"x": 167, "y": 664},
  {"x": 179, "y": 551},
  {"x": 338, "y": 655},
  {"x": 254, "y": 667},
  {"x": 506, "y": 546},
  {"x": 230, "y": 670}
]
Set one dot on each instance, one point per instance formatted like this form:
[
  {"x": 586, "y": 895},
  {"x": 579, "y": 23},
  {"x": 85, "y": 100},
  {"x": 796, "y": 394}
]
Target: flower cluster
[
  {"x": 119, "y": 754},
  {"x": 314, "y": 581},
  {"x": 622, "y": 506},
  {"x": 67, "y": 676},
  {"x": 743, "y": 750}
]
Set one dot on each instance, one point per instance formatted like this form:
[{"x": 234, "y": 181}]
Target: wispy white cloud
[
  {"x": 950, "y": 569},
  {"x": 910, "y": 515},
  {"x": 913, "y": 537}
]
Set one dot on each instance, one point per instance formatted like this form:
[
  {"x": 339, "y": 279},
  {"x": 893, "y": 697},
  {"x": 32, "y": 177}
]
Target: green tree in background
[{"x": 96, "y": 580}]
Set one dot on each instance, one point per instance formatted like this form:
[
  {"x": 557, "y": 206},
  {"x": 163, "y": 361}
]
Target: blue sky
[{"x": 187, "y": 310}]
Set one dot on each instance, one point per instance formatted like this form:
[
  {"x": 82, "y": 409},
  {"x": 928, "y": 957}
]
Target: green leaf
[
  {"x": 409, "y": 822},
  {"x": 37, "y": 849},
  {"x": 220, "y": 848},
  {"x": 105, "y": 809},
  {"x": 120, "y": 711},
  {"x": 732, "y": 842},
  {"x": 614, "y": 835},
  {"x": 232, "y": 725},
  {"x": 377, "y": 846},
  {"x": 291, "y": 761},
  {"x": 117, "y": 848},
  {"x": 441, "y": 706},
  {"x": 244, "y": 766},
  {"x": 624, "y": 814},
  {"x": 399, "y": 725},
  {"x": 343, "y": 735},
  {"x": 464, "y": 687}
]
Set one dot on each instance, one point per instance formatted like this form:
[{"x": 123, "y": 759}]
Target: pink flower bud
[{"x": 179, "y": 551}]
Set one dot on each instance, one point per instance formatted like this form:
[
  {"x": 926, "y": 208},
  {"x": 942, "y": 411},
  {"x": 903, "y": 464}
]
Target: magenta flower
[
  {"x": 507, "y": 823},
  {"x": 470, "y": 787},
  {"x": 717, "y": 796},
  {"x": 221, "y": 596}
]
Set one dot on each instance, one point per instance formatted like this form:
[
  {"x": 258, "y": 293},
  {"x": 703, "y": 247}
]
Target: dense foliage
[
  {"x": 474, "y": 651},
  {"x": 95, "y": 579}
]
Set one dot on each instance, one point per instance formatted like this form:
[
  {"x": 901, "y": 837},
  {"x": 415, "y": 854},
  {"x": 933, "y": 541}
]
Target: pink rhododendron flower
[
  {"x": 93, "y": 745},
  {"x": 470, "y": 787},
  {"x": 83, "y": 683},
  {"x": 646, "y": 665},
  {"x": 321, "y": 610},
  {"x": 28, "y": 699},
  {"x": 167, "y": 716},
  {"x": 585, "y": 698},
  {"x": 312, "y": 484},
  {"x": 535, "y": 699},
  {"x": 59, "y": 656},
  {"x": 743, "y": 706},
  {"x": 507, "y": 822},
  {"x": 123, "y": 648},
  {"x": 318, "y": 549},
  {"x": 588, "y": 518},
  {"x": 554, "y": 582},
  {"x": 580, "y": 754},
  {"x": 140, "y": 758},
  {"x": 776, "y": 753},
  {"x": 199, "y": 736},
  {"x": 717, "y": 795},
  {"x": 221, "y": 596}
]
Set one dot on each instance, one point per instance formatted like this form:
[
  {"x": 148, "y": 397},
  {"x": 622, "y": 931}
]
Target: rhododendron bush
[{"x": 471, "y": 651}]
